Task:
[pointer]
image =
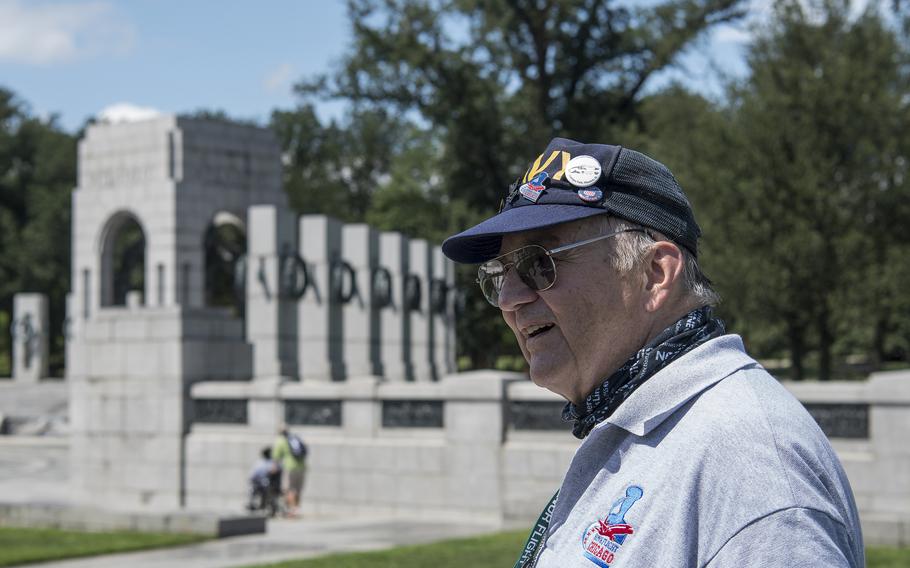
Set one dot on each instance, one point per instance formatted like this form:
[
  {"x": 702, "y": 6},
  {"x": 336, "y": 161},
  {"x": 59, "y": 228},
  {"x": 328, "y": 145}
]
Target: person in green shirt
[{"x": 290, "y": 451}]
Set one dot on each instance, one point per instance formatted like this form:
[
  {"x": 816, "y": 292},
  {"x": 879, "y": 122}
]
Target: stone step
[{"x": 85, "y": 518}]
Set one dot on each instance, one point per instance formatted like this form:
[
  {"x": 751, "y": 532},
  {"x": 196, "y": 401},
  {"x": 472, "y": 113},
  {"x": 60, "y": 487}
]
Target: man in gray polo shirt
[{"x": 692, "y": 454}]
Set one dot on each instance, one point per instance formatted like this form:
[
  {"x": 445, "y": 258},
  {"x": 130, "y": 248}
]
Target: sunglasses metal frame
[{"x": 549, "y": 254}]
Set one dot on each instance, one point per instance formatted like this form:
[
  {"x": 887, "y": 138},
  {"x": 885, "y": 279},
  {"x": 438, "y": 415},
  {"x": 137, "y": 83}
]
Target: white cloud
[
  {"x": 126, "y": 112},
  {"x": 55, "y": 33},
  {"x": 279, "y": 78}
]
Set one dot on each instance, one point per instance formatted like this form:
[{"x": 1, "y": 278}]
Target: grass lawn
[
  {"x": 495, "y": 551},
  {"x": 887, "y": 557},
  {"x": 21, "y": 546},
  {"x": 498, "y": 550}
]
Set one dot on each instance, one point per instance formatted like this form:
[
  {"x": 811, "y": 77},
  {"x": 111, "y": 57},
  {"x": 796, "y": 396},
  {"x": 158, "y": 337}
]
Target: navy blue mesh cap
[{"x": 572, "y": 181}]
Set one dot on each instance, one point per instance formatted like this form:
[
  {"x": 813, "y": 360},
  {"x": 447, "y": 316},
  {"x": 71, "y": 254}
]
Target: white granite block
[
  {"x": 418, "y": 317},
  {"x": 426, "y": 491},
  {"x": 361, "y": 417},
  {"x": 170, "y": 359},
  {"x": 474, "y": 422},
  {"x": 354, "y": 487},
  {"x": 430, "y": 460},
  {"x": 97, "y": 330},
  {"x": 407, "y": 459},
  {"x": 319, "y": 485},
  {"x": 319, "y": 316},
  {"x": 105, "y": 360},
  {"x": 393, "y": 257},
  {"x": 382, "y": 488},
  {"x": 381, "y": 458},
  {"x": 325, "y": 456},
  {"x": 360, "y": 323}
]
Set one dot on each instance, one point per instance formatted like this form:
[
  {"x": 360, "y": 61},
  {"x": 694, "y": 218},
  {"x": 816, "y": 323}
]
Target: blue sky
[{"x": 77, "y": 58}]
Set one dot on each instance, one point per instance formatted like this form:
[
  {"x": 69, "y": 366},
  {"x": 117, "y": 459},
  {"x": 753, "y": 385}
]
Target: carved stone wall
[{"x": 316, "y": 298}]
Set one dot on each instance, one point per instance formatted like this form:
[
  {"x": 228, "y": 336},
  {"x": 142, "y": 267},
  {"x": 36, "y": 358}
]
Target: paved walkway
[{"x": 34, "y": 472}]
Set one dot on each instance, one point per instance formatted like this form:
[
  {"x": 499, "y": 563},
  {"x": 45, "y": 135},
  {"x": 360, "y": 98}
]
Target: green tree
[
  {"x": 37, "y": 175},
  {"x": 496, "y": 79},
  {"x": 490, "y": 82},
  {"x": 335, "y": 169},
  {"x": 820, "y": 165},
  {"x": 692, "y": 135}
]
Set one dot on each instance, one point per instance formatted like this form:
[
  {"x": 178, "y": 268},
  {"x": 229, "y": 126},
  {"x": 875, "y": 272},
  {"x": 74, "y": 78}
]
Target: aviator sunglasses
[{"x": 533, "y": 264}]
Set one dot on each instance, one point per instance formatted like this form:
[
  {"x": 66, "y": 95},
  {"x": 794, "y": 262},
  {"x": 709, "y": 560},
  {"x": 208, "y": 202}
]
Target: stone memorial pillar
[
  {"x": 452, "y": 315},
  {"x": 148, "y": 197},
  {"x": 395, "y": 351},
  {"x": 273, "y": 278},
  {"x": 319, "y": 334},
  {"x": 441, "y": 312},
  {"x": 30, "y": 331},
  {"x": 417, "y": 307},
  {"x": 352, "y": 283}
]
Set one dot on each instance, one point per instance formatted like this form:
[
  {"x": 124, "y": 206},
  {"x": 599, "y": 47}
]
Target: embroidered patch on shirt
[{"x": 602, "y": 540}]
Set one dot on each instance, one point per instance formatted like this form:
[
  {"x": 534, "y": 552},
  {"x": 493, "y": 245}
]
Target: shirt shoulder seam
[{"x": 767, "y": 515}]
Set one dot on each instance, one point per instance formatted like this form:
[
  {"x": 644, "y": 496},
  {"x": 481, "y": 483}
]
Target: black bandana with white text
[{"x": 693, "y": 329}]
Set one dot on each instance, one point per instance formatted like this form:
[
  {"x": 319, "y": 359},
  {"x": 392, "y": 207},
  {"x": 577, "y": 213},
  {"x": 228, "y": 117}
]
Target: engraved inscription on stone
[
  {"x": 220, "y": 411},
  {"x": 841, "y": 420},
  {"x": 125, "y": 174},
  {"x": 537, "y": 415},
  {"x": 313, "y": 412},
  {"x": 412, "y": 414},
  {"x": 224, "y": 167}
]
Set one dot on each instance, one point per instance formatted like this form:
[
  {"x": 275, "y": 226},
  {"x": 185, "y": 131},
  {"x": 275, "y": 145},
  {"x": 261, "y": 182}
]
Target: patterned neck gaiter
[{"x": 695, "y": 328}]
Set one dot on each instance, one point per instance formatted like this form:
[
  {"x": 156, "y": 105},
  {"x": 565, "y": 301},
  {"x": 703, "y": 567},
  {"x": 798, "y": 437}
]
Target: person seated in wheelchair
[{"x": 265, "y": 483}]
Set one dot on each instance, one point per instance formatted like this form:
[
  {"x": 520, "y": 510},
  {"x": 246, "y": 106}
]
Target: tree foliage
[
  {"x": 484, "y": 85},
  {"x": 37, "y": 174},
  {"x": 496, "y": 79},
  {"x": 336, "y": 168},
  {"x": 819, "y": 154},
  {"x": 798, "y": 176}
]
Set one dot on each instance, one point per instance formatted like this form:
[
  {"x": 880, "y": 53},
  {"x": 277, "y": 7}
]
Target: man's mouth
[{"x": 535, "y": 330}]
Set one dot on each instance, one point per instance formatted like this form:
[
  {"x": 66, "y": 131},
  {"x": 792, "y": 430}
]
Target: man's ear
[{"x": 664, "y": 267}]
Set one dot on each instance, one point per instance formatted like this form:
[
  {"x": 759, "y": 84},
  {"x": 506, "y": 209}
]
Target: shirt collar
[{"x": 683, "y": 379}]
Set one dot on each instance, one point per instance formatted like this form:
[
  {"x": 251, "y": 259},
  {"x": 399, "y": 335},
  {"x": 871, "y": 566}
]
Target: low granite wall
[{"x": 490, "y": 446}]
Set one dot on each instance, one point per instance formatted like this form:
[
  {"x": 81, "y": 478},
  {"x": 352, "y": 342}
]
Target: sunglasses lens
[
  {"x": 536, "y": 269},
  {"x": 532, "y": 264},
  {"x": 490, "y": 275}
]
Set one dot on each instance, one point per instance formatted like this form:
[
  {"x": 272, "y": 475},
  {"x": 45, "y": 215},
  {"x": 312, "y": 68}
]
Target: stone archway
[{"x": 123, "y": 259}]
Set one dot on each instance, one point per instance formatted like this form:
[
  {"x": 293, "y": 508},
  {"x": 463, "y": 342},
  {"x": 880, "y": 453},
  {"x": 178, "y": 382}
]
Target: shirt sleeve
[{"x": 791, "y": 537}]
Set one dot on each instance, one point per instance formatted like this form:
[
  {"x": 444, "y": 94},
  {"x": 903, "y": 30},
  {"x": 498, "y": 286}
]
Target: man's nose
[{"x": 514, "y": 292}]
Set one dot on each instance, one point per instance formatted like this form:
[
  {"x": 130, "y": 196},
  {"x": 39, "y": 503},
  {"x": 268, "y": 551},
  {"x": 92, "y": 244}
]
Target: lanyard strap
[{"x": 534, "y": 545}]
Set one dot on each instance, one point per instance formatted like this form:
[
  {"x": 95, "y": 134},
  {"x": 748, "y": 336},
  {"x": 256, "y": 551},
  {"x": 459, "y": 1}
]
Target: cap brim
[{"x": 481, "y": 242}]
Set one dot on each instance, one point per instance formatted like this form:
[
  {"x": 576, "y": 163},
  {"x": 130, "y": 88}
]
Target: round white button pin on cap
[{"x": 583, "y": 171}]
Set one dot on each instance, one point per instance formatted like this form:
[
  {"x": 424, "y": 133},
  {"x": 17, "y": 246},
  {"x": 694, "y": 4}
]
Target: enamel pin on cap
[
  {"x": 590, "y": 195},
  {"x": 535, "y": 186},
  {"x": 583, "y": 171}
]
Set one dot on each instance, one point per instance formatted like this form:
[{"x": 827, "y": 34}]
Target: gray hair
[{"x": 630, "y": 249}]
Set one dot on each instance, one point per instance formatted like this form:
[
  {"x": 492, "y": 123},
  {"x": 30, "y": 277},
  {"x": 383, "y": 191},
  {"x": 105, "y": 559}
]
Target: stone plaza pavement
[{"x": 36, "y": 473}]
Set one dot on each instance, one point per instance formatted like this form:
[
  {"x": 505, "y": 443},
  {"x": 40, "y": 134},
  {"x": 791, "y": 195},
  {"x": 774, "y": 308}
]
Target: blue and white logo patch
[{"x": 602, "y": 540}]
